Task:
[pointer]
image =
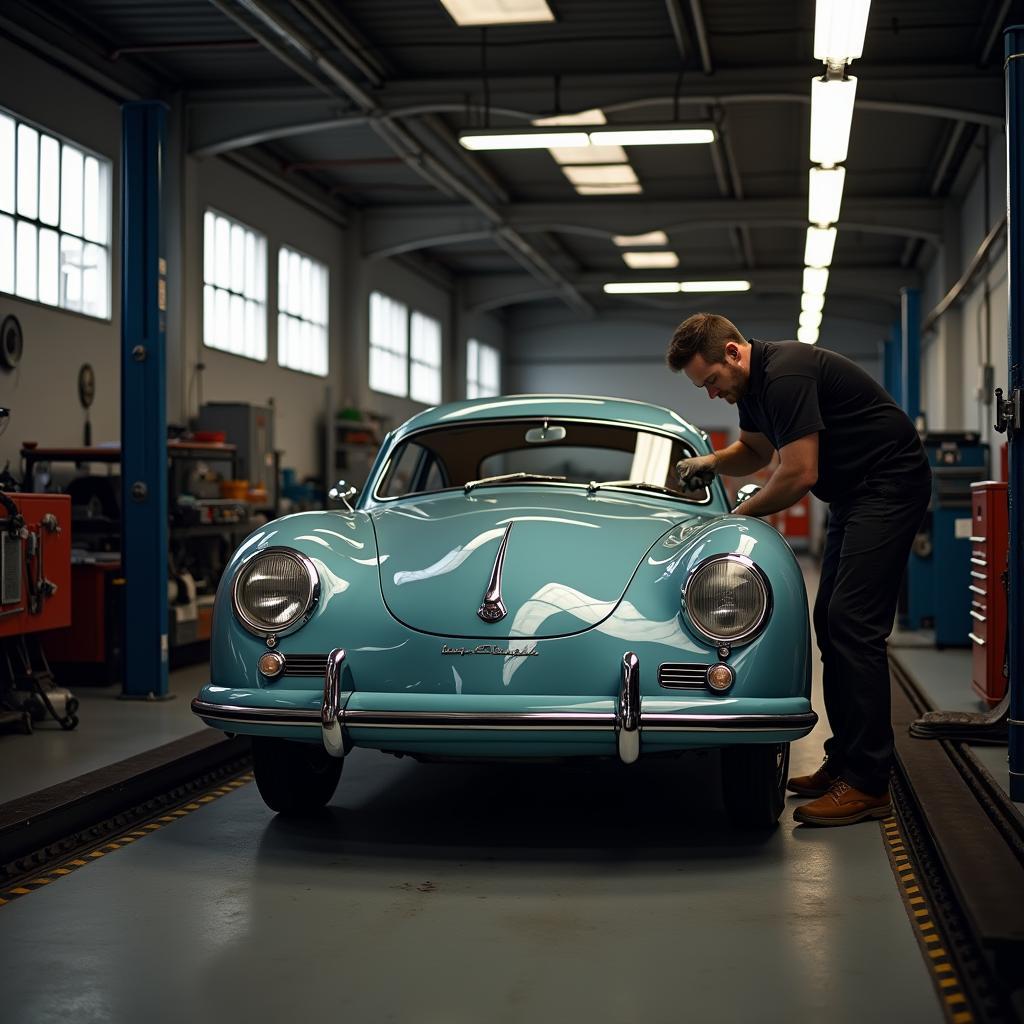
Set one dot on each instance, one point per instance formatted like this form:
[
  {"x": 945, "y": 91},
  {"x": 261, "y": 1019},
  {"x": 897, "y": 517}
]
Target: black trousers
[{"x": 866, "y": 550}]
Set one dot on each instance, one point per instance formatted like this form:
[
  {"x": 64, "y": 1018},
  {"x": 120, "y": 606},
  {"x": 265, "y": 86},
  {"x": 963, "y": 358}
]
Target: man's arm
[
  {"x": 796, "y": 475},
  {"x": 747, "y": 455}
]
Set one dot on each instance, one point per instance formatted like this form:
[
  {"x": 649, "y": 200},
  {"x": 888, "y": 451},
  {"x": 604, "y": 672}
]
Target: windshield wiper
[
  {"x": 505, "y": 478},
  {"x": 594, "y": 486}
]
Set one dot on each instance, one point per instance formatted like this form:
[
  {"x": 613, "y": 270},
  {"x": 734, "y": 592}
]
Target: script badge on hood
[{"x": 504, "y": 652}]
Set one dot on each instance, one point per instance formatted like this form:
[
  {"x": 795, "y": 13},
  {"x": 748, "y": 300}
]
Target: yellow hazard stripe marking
[
  {"x": 69, "y": 867},
  {"x": 952, "y": 998}
]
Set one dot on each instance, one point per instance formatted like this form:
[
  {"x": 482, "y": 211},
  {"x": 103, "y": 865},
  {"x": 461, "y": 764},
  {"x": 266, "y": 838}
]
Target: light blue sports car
[{"x": 522, "y": 577}]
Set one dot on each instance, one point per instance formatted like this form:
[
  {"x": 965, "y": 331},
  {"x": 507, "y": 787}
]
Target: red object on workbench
[
  {"x": 990, "y": 541},
  {"x": 24, "y": 571}
]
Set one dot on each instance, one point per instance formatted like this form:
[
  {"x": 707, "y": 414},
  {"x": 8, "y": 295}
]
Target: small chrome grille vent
[
  {"x": 680, "y": 676},
  {"x": 305, "y": 665}
]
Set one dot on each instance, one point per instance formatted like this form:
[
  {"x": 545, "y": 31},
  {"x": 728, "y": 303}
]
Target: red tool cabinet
[{"x": 990, "y": 538}]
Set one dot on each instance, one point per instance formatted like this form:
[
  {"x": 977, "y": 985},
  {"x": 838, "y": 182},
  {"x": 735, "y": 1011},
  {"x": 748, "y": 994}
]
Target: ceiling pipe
[
  {"x": 408, "y": 148},
  {"x": 702, "y": 36}
]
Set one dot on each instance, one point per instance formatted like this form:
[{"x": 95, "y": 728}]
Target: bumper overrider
[{"x": 342, "y": 710}]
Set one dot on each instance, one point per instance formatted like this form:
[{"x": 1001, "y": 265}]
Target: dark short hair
[{"x": 703, "y": 333}]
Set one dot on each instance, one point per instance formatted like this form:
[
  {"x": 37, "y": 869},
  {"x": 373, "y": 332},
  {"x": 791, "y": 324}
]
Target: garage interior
[{"x": 241, "y": 241}]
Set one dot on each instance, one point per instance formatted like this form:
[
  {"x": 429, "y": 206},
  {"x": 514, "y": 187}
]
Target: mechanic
[{"x": 840, "y": 436}]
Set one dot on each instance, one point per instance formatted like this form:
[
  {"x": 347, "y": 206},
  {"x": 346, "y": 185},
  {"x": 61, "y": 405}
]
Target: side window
[{"x": 413, "y": 470}]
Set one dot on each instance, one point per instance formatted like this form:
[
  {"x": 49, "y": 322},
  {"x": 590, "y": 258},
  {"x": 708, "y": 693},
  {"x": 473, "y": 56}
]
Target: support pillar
[
  {"x": 144, "y": 402},
  {"x": 1014, "y": 52},
  {"x": 891, "y": 363},
  {"x": 910, "y": 352}
]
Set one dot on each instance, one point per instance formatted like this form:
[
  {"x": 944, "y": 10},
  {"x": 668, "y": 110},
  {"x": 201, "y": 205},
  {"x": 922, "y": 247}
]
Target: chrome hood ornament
[{"x": 493, "y": 608}]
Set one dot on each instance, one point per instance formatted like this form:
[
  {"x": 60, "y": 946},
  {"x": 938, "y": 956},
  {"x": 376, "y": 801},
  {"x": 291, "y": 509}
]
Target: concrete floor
[
  {"x": 449, "y": 894},
  {"x": 109, "y": 730}
]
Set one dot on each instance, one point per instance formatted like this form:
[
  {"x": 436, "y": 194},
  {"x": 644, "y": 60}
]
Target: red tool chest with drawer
[{"x": 990, "y": 539}]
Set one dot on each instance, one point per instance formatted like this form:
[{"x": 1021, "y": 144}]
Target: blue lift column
[
  {"x": 1009, "y": 411},
  {"x": 892, "y": 364},
  {"x": 143, "y": 402},
  {"x": 910, "y": 352}
]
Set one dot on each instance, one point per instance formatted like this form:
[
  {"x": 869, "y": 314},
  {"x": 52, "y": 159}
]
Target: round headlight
[
  {"x": 727, "y": 599},
  {"x": 274, "y": 591}
]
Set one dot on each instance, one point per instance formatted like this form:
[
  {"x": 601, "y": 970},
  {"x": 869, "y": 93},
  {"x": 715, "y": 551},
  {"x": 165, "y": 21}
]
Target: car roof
[{"x": 591, "y": 407}]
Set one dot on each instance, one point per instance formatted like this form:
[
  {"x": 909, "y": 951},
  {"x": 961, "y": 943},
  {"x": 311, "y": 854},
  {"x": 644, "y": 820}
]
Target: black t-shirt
[{"x": 798, "y": 389}]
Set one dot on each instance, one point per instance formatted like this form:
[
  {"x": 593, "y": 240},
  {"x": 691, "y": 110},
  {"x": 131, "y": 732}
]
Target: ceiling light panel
[
  {"x": 839, "y": 29},
  {"x": 590, "y": 155},
  {"x": 811, "y": 320},
  {"x": 819, "y": 247},
  {"x": 609, "y": 190},
  {"x": 651, "y": 136},
  {"x": 824, "y": 195},
  {"x": 592, "y": 116},
  {"x": 651, "y": 260},
  {"x": 651, "y": 238},
  {"x": 601, "y": 174},
  {"x": 831, "y": 117},
  {"x": 815, "y": 281},
  {"x": 812, "y": 303},
  {"x": 641, "y": 287},
  {"x": 808, "y": 335},
  {"x": 498, "y": 12}
]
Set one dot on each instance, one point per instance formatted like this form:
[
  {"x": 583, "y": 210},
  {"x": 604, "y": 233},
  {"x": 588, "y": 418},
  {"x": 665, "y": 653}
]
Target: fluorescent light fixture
[
  {"x": 839, "y": 28},
  {"x": 820, "y": 245},
  {"x": 714, "y": 286},
  {"x": 641, "y": 287},
  {"x": 810, "y": 320},
  {"x": 609, "y": 190},
  {"x": 815, "y": 280},
  {"x": 498, "y": 12},
  {"x": 601, "y": 174},
  {"x": 651, "y": 260},
  {"x": 825, "y": 194},
  {"x": 808, "y": 335},
  {"x": 812, "y": 303},
  {"x": 523, "y": 140},
  {"x": 831, "y": 116},
  {"x": 652, "y": 136},
  {"x": 564, "y": 135},
  {"x": 651, "y": 238}
]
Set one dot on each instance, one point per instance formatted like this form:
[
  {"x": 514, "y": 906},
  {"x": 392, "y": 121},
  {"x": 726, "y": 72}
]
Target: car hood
[{"x": 568, "y": 559}]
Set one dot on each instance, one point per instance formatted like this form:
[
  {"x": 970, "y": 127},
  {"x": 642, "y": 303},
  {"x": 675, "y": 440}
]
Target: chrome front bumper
[{"x": 626, "y": 722}]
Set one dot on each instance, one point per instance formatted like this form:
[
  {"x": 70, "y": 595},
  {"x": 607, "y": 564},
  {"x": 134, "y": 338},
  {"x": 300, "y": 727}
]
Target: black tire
[
  {"x": 754, "y": 783},
  {"x": 294, "y": 778}
]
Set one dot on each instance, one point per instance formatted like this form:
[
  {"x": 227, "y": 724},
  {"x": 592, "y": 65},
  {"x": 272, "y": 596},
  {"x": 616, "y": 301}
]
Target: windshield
[{"x": 451, "y": 457}]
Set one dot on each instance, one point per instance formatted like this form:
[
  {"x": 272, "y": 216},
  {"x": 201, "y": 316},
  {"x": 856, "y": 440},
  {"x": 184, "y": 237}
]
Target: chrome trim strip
[
  {"x": 627, "y": 721},
  {"x": 311, "y": 602},
  {"x": 730, "y": 723},
  {"x": 976, "y": 639},
  {"x": 766, "y": 588},
  {"x": 255, "y": 716},
  {"x": 332, "y": 714},
  {"x": 525, "y": 721},
  {"x": 492, "y": 608}
]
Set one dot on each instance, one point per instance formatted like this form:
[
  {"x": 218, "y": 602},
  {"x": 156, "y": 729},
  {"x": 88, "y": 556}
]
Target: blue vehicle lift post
[
  {"x": 144, "y": 403},
  {"x": 891, "y": 363},
  {"x": 910, "y": 352},
  {"x": 1009, "y": 410}
]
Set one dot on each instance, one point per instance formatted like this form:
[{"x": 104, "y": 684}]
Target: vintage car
[{"x": 521, "y": 577}]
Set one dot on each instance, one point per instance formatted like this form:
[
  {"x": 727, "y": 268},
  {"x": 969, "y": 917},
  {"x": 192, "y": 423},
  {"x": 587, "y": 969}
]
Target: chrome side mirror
[
  {"x": 746, "y": 491},
  {"x": 342, "y": 492}
]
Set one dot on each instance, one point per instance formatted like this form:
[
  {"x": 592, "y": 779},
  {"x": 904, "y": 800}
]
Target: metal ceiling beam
[
  {"x": 396, "y": 229},
  {"x": 675, "y": 17},
  {"x": 398, "y": 139},
  {"x": 879, "y": 284},
  {"x": 702, "y": 37}
]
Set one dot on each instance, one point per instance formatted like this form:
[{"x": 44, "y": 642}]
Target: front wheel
[
  {"x": 294, "y": 778},
  {"x": 754, "y": 783}
]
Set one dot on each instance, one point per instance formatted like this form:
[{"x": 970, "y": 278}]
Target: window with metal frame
[
  {"x": 425, "y": 359},
  {"x": 389, "y": 345},
  {"x": 234, "y": 287},
  {"x": 55, "y": 221},
  {"x": 302, "y": 313},
  {"x": 483, "y": 370}
]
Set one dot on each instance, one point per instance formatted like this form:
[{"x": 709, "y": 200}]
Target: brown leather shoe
[
  {"x": 844, "y": 805},
  {"x": 816, "y": 784}
]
